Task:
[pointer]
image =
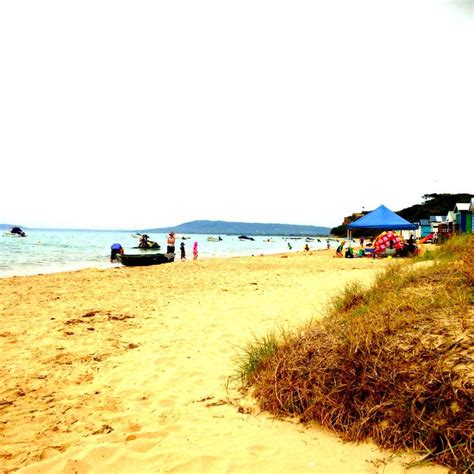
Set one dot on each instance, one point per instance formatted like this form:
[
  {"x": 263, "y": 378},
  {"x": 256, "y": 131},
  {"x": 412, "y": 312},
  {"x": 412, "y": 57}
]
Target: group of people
[
  {"x": 349, "y": 253},
  {"x": 117, "y": 248},
  {"x": 388, "y": 243},
  {"x": 183, "y": 251},
  {"x": 170, "y": 247}
]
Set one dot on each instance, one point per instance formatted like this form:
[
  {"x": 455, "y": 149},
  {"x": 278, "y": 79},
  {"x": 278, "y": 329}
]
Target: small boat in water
[
  {"x": 15, "y": 232},
  {"x": 244, "y": 237},
  {"x": 212, "y": 238},
  {"x": 145, "y": 243},
  {"x": 139, "y": 260}
]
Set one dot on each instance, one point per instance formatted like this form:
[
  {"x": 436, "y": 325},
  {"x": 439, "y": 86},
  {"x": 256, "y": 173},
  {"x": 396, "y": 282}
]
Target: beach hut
[
  {"x": 463, "y": 217},
  {"x": 425, "y": 226},
  {"x": 381, "y": 218},
  {"x": 435, "y": 221},
  {"x": 450, "y": 217},
  {"x": 447, "y": 228},
  {"x": 471, "y": 210}
]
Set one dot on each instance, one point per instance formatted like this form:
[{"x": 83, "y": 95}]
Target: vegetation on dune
[
  {"x": 394, "y": 363},
  {"x": 434, "y": 205}
]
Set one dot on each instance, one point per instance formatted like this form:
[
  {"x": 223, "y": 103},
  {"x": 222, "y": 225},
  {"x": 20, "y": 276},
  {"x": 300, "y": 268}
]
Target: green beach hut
[
  {"x": 463, "y": 215},
  {"x": 471, "y": 210}
]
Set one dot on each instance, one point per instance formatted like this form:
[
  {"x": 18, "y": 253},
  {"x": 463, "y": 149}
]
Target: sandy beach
[{"x": 126, "y": 369}]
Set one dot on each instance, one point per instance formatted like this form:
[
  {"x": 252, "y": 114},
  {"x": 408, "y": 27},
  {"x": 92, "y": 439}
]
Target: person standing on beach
[
  {"x": 195, "y": 251},
  {"x": 183, "y": 251},
  {"x": 170, "y": 243}
]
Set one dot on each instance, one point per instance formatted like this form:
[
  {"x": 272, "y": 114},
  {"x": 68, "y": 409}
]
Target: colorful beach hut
[
  {"x": 463, "y": 217},
  {"x": 435, "y": 221},
  {"x": 425, "y": 226},
  {"x": 471, "y": 210}
]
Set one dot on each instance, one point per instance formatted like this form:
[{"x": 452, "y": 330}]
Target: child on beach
[
  {"x": 183, "y": 251},
  {"x": 339, "y": 249},
  {"x": 195, "y": 251}
]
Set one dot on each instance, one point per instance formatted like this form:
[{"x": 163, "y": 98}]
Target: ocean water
[{"x": 50, "y": 251}]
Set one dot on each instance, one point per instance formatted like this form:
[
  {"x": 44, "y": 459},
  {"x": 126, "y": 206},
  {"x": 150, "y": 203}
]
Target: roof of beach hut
[
  {"x": 462, "y": 206},
  {"x": 382, "y": 218},
  {"x": 450, "y": 217}
]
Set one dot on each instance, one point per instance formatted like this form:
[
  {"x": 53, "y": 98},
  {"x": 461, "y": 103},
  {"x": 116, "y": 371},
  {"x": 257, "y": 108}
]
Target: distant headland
[{"x": 236, "y": 228}]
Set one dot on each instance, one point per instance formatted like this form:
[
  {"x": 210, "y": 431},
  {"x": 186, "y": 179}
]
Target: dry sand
[{"x": 125, "y": 370}]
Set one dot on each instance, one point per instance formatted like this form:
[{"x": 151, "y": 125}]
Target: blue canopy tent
[{"x": 381, "y": 218}]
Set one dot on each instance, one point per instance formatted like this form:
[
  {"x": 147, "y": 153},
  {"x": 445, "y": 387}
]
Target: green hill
[
  {"x": 242, "y": 228},
  {"x": 434, "y": 205}
]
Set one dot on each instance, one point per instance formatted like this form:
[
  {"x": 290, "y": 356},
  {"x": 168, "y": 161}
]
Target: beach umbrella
[{"x": 388, "y": 239}]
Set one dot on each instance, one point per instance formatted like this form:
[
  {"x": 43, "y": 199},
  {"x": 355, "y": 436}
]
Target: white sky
[{"x": 144, "y": 114}]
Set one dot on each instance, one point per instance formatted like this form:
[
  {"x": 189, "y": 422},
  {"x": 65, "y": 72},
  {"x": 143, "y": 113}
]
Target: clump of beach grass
[
  {"x": 394, "y": 363},
  {"x": 255, "y": 354}
]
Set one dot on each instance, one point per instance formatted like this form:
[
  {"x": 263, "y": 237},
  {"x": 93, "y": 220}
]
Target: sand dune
[{"x": 126, "y": 370}]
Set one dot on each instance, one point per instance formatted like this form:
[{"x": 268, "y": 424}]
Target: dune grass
[
  {"x": 394, "y": 363},
  {"x": 254, "y": 354}
]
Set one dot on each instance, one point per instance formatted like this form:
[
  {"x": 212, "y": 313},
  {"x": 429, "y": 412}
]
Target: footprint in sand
[
  {"x": 259, "y": 450},
  {"x": 202, "y": 464},
  {"x": 166, "y": 402}
]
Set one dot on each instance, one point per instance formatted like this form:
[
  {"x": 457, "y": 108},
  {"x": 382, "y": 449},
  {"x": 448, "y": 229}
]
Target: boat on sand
[{"x": 144, "y": 259}]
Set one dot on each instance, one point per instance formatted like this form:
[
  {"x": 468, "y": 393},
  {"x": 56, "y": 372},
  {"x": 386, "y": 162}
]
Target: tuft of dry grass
[{"x": 394, "y": 363}]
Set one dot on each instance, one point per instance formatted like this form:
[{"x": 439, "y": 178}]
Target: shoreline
[
  {"x": 106, "y": 265},
  {"x": 49, "y": 252},
  {"x": 107, "y": 370}
]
